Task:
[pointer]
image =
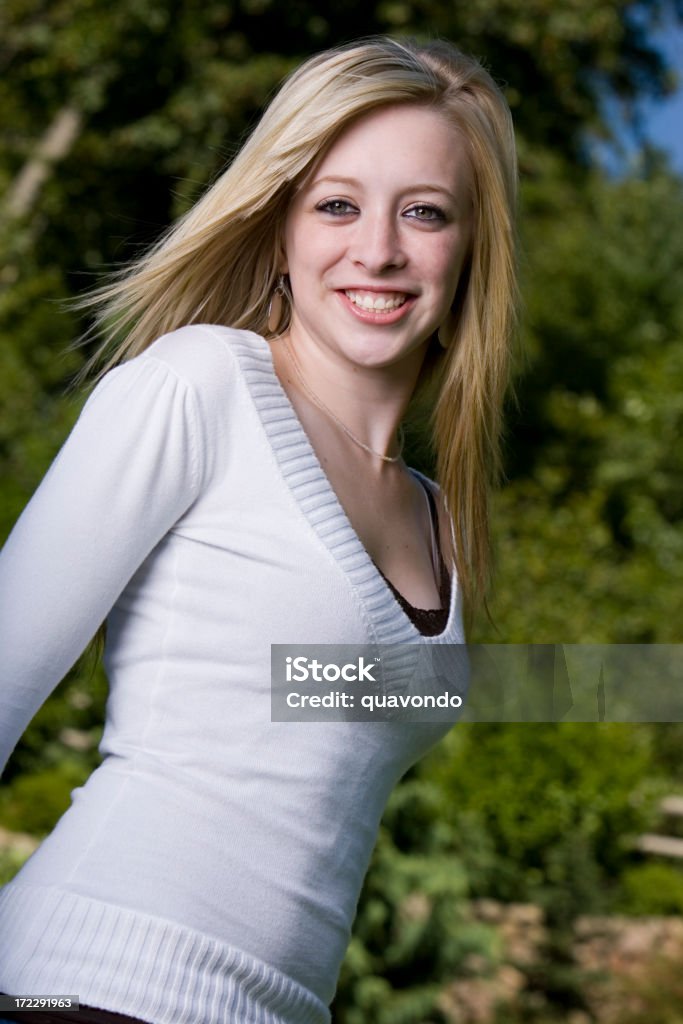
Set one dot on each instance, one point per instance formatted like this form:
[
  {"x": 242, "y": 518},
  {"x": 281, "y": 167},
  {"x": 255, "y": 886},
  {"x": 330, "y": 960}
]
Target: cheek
[
  {"x": 454, "y": 262},
  {"x": 445, "y": 272},
  {"x": 310, "y": 256}
]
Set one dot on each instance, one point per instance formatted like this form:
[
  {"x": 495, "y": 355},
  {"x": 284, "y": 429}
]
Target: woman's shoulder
[
  {"x": 204, "y": 356},
  {"x": 177, "y": 394},
  {"x": 188, "y": 380}
]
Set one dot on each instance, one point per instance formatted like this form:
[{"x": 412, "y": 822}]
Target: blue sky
[{"x": 663, "y": 121}]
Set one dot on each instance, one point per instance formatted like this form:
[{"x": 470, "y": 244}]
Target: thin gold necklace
[{"x": 321, "y": 405}]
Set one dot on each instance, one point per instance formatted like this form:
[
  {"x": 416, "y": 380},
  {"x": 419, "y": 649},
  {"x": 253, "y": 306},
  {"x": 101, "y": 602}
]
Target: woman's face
[{"x": 376, "y": 238}]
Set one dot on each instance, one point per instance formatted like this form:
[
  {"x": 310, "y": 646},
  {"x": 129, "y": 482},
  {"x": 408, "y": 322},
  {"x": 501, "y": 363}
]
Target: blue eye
[
  {"x": 337, "y": 207},
  {"x": 425, "y": 212}
]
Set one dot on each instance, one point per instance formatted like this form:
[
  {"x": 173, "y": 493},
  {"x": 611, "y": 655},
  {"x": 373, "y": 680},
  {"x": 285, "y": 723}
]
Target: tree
[{"x": 590, "y": 536}]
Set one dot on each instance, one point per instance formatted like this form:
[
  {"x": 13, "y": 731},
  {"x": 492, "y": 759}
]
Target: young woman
[{"x": 236, "y": 480}]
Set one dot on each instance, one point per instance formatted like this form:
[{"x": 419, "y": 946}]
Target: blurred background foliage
[{"x": 113, "y": 118}]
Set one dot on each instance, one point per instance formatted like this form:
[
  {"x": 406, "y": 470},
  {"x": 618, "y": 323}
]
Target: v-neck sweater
[{"x": 209, "y": 869}]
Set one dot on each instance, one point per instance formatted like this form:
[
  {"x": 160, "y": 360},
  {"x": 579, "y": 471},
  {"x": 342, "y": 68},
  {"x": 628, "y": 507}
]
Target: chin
[
  {"x": 376, "y": 353},
  {"x": 375, "y": 360}
]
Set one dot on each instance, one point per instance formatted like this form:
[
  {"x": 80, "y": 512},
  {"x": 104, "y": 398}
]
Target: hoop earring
[{"x": 276, "y": 304}]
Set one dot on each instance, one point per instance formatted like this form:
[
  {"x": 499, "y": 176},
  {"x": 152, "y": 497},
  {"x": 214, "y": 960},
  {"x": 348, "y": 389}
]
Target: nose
[{"x": 376, "y": 244}]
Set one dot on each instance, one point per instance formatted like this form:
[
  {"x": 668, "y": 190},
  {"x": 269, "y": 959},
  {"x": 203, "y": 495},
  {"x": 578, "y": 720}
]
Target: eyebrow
[{"x": 334, "y": 179}]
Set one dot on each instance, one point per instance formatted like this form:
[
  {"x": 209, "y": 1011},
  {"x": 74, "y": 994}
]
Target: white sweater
[{"x": 209, "y": 869}]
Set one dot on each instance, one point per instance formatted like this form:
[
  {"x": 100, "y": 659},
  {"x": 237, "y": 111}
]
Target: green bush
[
  {"x": 10, "y": 862},
  {"x": 545, "y": 813},
  {"x": 654, "y": 888},
  {"x": 33, "y": 803},
  {"x": 413, "y": 933}
]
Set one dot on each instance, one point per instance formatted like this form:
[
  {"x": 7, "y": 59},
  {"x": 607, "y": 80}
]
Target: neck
[{"x": 367, "y": 403}]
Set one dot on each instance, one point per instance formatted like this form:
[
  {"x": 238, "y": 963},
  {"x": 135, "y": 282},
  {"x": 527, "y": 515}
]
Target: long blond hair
[{"x": 219, "y": 263}]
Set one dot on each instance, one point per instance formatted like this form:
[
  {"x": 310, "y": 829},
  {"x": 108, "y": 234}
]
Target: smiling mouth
[{"x": 377, "y": 302}]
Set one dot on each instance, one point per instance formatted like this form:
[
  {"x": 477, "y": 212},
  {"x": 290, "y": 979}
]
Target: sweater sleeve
[{"x": 127, "y": 472}]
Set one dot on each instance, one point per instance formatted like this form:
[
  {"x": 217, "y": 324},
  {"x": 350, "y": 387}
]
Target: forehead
[{"x": 395, "y": 143}]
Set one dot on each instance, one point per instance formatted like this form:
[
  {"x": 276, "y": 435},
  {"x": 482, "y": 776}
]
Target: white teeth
[{"x": 369, "y": 300}]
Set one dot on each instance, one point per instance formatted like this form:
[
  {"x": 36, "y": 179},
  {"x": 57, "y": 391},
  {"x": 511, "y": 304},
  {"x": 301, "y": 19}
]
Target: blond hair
[{"x": 219, "y": 263}]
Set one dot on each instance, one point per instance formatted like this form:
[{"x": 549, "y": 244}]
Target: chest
[{"x": 394, "y": 523}]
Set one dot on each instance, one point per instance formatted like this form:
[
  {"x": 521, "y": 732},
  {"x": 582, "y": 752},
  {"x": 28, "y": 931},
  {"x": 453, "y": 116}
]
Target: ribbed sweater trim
[
  {"x": 122, "y": 960},
  {"x": 313, "y": 493}
]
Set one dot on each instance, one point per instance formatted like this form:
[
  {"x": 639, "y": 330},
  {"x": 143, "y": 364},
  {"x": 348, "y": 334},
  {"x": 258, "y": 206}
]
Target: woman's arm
[{"x": 128, "y": 471}]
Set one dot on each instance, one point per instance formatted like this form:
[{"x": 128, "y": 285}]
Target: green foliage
[
  {"x": 32, "y": 802},
  {"x": 653, "y": 888},
  {"x": 588, "y": 529},
  {"x": 10, "y": 862},
  {"x": 57, "y": 753},
  {"x": 413, "y": 932},
  {"x": 554, "y": 807},
  {"x": 122, "y": 63},
  {"x": 33, "y": 366},
  {"x": 668, "y": 738}
]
